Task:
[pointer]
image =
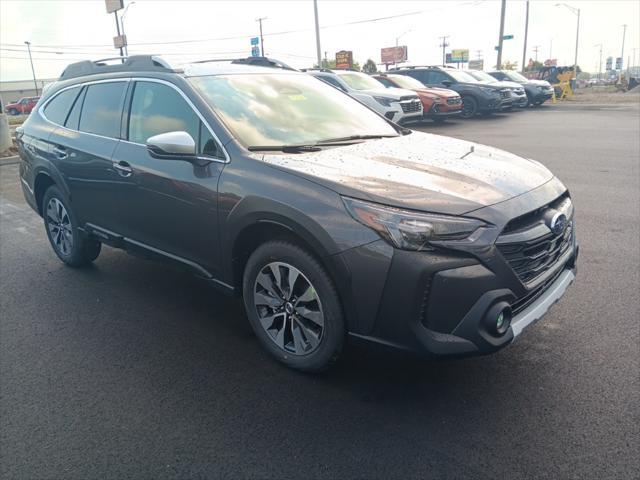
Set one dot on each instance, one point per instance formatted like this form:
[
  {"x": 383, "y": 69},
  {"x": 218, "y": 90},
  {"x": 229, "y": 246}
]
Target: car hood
[
  {"x": 539, "y": 83},
  {"x": 508, "y": 84},
  {"x": 391, "y": 92},
  {"x": 440, "y": 92},
  {"x": 419, "y": 171}
]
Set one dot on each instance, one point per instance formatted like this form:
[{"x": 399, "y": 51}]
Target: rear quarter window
[{"x": 58, "y": 107}]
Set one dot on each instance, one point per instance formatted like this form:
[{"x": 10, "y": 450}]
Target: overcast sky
[{"x": 65, "y": 31}]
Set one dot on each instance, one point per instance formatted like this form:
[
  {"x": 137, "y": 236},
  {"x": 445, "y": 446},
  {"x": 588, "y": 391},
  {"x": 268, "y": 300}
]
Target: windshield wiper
[
  {"x": 285, "y": 148},
  {"x": 329, "y": 141}
]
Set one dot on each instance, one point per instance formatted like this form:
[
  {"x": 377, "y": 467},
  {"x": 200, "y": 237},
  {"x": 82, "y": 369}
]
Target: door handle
[
  {"x": 123, "y": 168},
  {"x": 60, "y": 152}
]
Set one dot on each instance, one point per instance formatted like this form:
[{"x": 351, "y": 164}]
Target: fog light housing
[{"x": 498, "y": 318}]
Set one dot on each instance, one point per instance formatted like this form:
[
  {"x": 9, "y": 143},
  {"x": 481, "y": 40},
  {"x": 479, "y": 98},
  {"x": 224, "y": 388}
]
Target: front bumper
[{"x": 443, "y": 111}]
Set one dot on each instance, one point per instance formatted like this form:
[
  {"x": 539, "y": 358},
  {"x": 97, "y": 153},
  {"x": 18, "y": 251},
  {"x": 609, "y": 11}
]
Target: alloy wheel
[
  {"x": 289, "y": 308},
  {"x": 59, "y": 225}
]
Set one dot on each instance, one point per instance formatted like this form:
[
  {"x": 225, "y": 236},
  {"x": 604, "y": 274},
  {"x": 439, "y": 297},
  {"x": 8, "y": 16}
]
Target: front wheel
[
  {"x": 293, "y": 306},
  {"x": 469, "y": 107},
  {"x": 69, "y": 244},
  {"x": 13, "y": 111}
]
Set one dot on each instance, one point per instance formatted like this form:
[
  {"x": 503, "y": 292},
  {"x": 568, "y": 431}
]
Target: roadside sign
[
  {"x": 496, "y": 48},
  {"x": 120, "y": 41},
  {"x": 114, "y": 5},
  {"x": 255, "y": 40},
  {"x": 507, "y": 37},
  {"x": 393, "y": 54},
  {"x": 344, "y": 59},
  {"x": 255, "y": 51},
  {"x": 447, "y": 58},
  {"x": 460, "y": 55},
  {"x": 618, "y": 63},
  {"x": 551, "y": 62},
  {"x": 476, "y": 64},
  {"x": 609, "y": 63}
]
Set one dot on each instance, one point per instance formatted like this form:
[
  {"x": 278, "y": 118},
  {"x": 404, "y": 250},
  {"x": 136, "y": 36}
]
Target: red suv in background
[
  {"x": 22, "y": 106},
  {"x": 437, "y": 103}
]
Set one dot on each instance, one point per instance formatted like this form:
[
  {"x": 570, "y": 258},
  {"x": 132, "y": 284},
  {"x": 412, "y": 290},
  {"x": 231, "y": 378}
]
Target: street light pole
[
  {"x": 575, "y": 11},
  {"x": 35, "y": 83},
  {"x": 526, "y": 33},
  {"x": 261, "y": 39},
  {"x": 318, "y": 51},
  {"x": 624, "y": 34},
  {"x": 395, "y": 64},
  {"x": 126, "y": 46},
  {"x": 500, "y": 40},
  {"x": 600, "y": 64}
]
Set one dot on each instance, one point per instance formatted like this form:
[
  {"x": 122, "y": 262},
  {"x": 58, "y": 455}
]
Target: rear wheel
[
  {"x": 293, "y": 306},
  {"x": 469, "y": 107},
  {"x": 71, "y": 245}
]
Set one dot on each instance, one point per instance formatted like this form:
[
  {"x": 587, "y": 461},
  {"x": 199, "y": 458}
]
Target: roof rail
[
  {"x": 326, "y": 70},
  {"x": 254, "y": 61},
  {"x": 134, "y": 63}
]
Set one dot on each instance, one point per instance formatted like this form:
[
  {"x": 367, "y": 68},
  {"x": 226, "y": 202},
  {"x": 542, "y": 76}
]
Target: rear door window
[
  {"x": 436, "y": 78},
  {"x": 419, "y": 75},
  {"x": 57, "y": 109},
  {"x": 102, "y": 109}
]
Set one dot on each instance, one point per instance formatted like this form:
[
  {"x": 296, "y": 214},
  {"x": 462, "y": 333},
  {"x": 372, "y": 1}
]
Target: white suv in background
[{"x": 396, "y": 104}]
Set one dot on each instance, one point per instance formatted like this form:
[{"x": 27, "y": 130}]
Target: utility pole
[
  {"x": 315, "y": 11},
  {"x": 600, "y": 64},
  {"x": 124, "y": 12},
  {"x": 444, "y": 45},
  {"x": 624, "y": 34},
  {"x": 551, "y": 49},
  {"x": 500, "y": 40},
  {"x": 259, "y": 20},
  {"x": 535, "y": 50},
  {"x": 118, "y": 30},
  {"x": 35, "y": 84},
  {"x": 526, "y": 33}
]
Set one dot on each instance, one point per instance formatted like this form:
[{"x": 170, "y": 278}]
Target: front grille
[
  {"x": 523, "y": 302},
  {"x": 530, "y": 247},
  {"x": 411, "y": 106},
  {"x": 454, "y": 101}
]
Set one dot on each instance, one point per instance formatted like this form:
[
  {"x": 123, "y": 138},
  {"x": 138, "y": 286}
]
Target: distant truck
[{"x": 22, "y": 106}]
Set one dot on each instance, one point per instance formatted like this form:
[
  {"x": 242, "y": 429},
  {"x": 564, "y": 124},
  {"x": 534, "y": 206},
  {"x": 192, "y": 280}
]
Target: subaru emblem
[{"x": 558, "y": 223}]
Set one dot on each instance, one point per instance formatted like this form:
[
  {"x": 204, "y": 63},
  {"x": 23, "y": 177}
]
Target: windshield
[
  {"x": 360, "y": 81},
  {"x": 404, "y": 81},
  {"x": 461, "y": 76},
  {"x": 287, "y": 109},
  {"x": 516, "y": 77},
  {"x": 482, "y": 76}
]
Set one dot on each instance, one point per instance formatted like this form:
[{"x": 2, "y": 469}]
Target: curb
[{"x": 9, "y": 160}]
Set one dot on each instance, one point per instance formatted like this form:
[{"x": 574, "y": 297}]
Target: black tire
[
  {"x": 70, "y": 245},
  {"x": 469, "y": 107},
  {"x": 528, "y": 104},
  {"x": 13, "y": 111},
  {"x": 330, "y": 339}
]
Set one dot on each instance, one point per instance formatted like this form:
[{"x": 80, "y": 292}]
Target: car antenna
[{"x": 470, "y": 151}]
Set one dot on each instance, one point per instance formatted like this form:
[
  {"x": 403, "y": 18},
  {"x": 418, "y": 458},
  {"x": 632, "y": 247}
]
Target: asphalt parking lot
[{"x": 130, "y": 369}]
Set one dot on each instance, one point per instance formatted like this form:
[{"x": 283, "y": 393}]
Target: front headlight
[
  {"x": 384, "y": 101},
  {"x": 410, "y": 230}
]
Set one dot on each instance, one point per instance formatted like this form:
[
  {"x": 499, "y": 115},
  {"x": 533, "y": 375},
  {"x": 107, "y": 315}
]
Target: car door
[
  {"x": 171, "y": 203},
  {"x": 82, "y": 147}
]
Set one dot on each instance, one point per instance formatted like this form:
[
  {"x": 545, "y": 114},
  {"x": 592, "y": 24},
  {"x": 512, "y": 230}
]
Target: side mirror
[
  {"x": 178, "y": 145},
  {"x": 447, "y": 83}
]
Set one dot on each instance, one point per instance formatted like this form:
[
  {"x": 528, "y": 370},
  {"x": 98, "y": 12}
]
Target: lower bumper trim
[{"x": 541, "y": 306}]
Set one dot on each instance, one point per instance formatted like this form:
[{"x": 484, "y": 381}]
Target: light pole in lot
[
  {"x": 624, "y": 34},
  {"x": 501, "y": 39},
  {"x": 318, "y": 51},
  {"x": 444, "y": 45},
  {"x": 526, "y": 32},
  {"x": 35, "y": 83},
  {"x": 124, "y": 13},
  {"x": 575, "y": 11}
]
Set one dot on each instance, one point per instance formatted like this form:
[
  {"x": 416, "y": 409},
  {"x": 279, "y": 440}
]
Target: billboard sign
[
  {"x": 609, "y": 63},
  {"x": 551, "y": 62},
  {"x": 114, "y": 5},
  {"x": 476, "y": 64},
  {"x": 393, "y": 55},
  {"x": 460, "y": 55},
  {"x": 344, "y": 59}
]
